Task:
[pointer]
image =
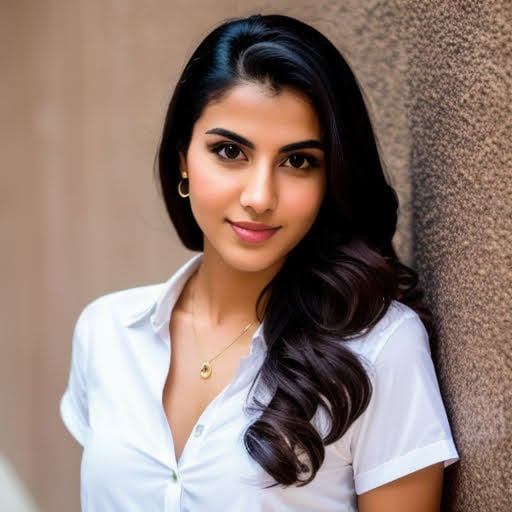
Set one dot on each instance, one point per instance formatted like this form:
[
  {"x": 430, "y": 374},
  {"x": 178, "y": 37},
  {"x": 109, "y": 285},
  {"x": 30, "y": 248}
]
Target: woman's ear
[{"x": 183, "y": 165}]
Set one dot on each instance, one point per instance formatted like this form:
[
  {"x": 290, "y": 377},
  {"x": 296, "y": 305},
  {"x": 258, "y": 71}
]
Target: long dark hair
[{"x": 341, "y": 278}]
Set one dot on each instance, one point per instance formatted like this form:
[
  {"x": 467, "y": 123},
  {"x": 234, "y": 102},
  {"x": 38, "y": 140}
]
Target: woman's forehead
[{"x": 251, "y": 107}]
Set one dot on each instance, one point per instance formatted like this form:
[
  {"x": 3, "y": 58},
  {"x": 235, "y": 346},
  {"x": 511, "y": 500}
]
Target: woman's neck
[{"x": 224, "y": 294}]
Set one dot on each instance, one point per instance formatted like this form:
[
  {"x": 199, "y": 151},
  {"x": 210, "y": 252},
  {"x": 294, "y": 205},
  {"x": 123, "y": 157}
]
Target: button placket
[
  {"x": 196, "y": 439},
  {"x": 173, "y": 493},
  {"x": 198, "y": 430}
]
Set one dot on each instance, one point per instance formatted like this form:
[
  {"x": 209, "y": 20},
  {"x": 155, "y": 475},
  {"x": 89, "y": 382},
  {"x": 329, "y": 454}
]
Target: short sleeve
[
  {"x": 73, "y": 405},
  {"x": 404, "y": 428}
]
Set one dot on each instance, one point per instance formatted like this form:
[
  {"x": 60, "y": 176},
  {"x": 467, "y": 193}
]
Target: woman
[{"x": 285, "y": 368}]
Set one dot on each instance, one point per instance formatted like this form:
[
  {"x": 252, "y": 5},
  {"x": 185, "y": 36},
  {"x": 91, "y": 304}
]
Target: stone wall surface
[
  {"x": 83, "y": 92},
  {"x": 460, "y": 115}
]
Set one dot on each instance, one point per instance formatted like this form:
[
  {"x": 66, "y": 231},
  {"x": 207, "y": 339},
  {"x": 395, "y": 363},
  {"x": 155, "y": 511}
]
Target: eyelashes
[
  {"x": 230, "y": 151},
  {"x": 301, "y": 161}
]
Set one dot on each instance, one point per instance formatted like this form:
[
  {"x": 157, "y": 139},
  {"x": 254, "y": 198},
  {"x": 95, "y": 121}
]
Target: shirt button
[
  {"x": 198, "y": 430},
  {"x": 174, "y": 476}
]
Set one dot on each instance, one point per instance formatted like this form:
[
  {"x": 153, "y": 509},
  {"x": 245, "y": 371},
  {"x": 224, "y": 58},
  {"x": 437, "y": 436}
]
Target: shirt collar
[
  {"x": 258, "y": 341},
  {"x": 161, "y": 302}
]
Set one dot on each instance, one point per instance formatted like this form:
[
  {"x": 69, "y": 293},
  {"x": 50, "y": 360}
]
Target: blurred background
[{"x": 84, "y": 88}]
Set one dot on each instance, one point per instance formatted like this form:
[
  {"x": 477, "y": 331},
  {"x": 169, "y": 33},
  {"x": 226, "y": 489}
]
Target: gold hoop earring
[{"x": 183, "y": 188}]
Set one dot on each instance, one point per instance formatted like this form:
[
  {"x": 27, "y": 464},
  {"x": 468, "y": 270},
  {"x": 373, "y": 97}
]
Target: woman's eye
[
  {"x": 300, "y": 161},
  {"x": 229, "y": 151}
]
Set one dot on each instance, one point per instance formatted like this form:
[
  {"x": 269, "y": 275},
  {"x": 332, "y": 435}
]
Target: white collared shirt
[{"x": 113, "y": 407}]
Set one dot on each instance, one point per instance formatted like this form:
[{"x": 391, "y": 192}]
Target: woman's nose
[{"x": 259, "y": 192}]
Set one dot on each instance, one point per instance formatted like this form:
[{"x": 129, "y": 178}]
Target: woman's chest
[
  {"x": 129, "y": 464},
  {"x": 188, "y": 392},
  {"x": 129, "y": 461},
  {"x": 214, "y": 473}
]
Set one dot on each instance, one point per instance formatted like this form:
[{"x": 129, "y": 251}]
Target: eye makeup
[{"x": 288, "y": 148}]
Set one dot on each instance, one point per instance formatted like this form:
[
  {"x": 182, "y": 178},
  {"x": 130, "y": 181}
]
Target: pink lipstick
[{"x": 253, "y": 232}]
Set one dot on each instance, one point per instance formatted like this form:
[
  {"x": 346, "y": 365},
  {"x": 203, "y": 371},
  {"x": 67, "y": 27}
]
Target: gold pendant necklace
[{"x": 206, "y": 366}]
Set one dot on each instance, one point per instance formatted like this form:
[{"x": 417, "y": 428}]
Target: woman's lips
[{"x": 253, "y": 232}]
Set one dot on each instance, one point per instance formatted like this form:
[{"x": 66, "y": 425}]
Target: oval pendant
[{"x": 206, "y": 370}]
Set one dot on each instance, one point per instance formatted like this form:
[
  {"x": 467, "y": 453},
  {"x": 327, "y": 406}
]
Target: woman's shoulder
[{"x": 400, "y": 324}]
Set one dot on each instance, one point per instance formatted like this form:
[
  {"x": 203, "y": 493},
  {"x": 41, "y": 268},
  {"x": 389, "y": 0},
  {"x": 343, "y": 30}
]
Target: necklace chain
[{"x": 206, "y": 366}]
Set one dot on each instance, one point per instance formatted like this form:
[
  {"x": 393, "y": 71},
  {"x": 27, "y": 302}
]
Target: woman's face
[{"x": 256, "y": 169}]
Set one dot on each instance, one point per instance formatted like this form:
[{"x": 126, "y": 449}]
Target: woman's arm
[{"x": 417, "y": 492}]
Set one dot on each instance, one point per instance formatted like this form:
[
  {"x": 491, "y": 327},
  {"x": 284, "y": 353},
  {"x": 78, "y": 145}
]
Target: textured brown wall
[
  {"x": 84, "y": 86},
  {"x": 460, "y": 78}
]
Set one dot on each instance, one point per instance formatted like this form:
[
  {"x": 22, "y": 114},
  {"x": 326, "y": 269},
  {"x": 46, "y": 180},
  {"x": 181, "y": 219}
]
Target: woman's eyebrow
[
  {"x": 233, "y": 136},
  {"x": 294, "y": 146},
  {"x": 305, "y": 144}
]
